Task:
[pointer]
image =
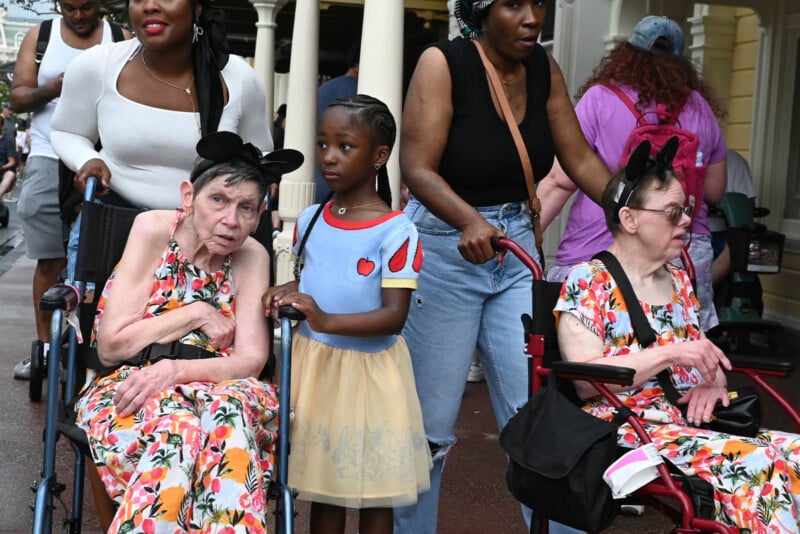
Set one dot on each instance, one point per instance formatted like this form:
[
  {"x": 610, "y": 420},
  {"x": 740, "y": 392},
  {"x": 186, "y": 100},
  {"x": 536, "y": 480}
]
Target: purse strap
[
  {"x": 508, "y": 116},
  {"x": 641, "y": 327},
  {"x": 298, "y": 259}
]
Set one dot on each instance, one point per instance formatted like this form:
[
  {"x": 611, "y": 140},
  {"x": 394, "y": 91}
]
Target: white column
[
  {"x": 713, "y": 30},
  {"x": 264, "y": 60},
  {"x": 380, "y": 70},
  {"x": 297, "y": 188}
]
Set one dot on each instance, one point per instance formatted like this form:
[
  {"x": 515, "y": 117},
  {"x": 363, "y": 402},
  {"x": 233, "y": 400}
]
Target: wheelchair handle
[
  {"x": 60, "y": 297},
  {"x": 291, "y": 313},
  {"x": 499, "y": 244},
  {"x": 92, "y": 183}
]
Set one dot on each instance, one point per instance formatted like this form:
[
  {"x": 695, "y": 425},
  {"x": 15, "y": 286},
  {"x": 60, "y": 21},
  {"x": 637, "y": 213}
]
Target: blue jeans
[{"x": 457, "y": 307}]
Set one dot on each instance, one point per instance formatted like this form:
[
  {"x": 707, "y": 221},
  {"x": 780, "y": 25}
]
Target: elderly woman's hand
[
  {"x": 144, "y": 384},
  {"x": 219, "y": 329},
  {"x": 475, "y": 244},
  {"x": 701, "y": 400},
  {"x": 704, "y": 356}
]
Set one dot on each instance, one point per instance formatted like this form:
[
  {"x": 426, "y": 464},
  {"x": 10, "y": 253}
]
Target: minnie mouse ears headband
[
  {"x": 227, "y": 147},
  {"x": 641, "y": 164}
]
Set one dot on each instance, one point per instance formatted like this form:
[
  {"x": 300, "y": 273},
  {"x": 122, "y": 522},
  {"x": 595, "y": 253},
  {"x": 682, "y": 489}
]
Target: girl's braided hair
[{"x": 376, "y": 115}]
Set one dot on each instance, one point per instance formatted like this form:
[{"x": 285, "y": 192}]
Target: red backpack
[{"x": 687, "y": 164}]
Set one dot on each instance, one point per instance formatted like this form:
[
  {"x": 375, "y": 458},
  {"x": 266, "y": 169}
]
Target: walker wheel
[
  {"x": 37, "y": 371},
  {"x": 4, "y": 216}
]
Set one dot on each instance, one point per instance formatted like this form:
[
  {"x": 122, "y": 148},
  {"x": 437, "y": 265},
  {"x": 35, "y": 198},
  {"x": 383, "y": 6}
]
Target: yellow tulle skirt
[{"x": 357, "y": 438}]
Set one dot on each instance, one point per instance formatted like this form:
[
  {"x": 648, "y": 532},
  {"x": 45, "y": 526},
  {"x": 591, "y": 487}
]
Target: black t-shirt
[
  {"x": 8, "y": 149},
  {"x": 480, "y": 161}
]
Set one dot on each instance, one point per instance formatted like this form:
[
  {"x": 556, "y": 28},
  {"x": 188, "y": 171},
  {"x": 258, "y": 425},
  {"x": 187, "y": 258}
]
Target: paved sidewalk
[{"x": 474, "y": 496}]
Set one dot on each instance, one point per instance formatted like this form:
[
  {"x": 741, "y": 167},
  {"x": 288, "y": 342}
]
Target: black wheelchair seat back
[
  {"x": 103, "y": 235},
  {"x": 102, "y": 240}
]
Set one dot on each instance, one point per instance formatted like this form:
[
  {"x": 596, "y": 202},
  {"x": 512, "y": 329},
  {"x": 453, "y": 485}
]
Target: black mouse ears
[
  {"x": 228, "y": 147},
  {"x": 640, "y": 163}
]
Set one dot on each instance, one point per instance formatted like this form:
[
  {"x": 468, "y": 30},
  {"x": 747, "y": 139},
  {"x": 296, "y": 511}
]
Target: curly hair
[{"x": 656, "y": 75}]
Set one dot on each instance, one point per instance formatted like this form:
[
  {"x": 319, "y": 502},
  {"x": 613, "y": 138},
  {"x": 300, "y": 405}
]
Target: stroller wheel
[
  {"x": 4, "y": 215},
  {"x": 37, "y": 371}
]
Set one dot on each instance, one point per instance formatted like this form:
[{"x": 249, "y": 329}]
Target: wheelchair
[
  {"x": 665, "y": 493},
  {"x": 754, "y": 251},
  {"x": 104, "y": 231}
]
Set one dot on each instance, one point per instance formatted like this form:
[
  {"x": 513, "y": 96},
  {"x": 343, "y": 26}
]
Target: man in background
[
  {"x": 35, "y": 89},
  {"x": 328, "y": 92}
]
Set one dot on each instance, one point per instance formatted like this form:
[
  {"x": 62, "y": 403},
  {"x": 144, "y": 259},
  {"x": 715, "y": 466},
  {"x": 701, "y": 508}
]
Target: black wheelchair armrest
[
  {"x": 60, "y": 297},
  {"x": 760, "y": 364},
  {"x": 608, "y": 374},
  {"x": 760, "y": 211}
]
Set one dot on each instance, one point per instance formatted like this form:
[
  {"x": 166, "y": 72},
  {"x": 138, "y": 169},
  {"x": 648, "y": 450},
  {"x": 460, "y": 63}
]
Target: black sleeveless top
[{"x": 480, "y": 161}]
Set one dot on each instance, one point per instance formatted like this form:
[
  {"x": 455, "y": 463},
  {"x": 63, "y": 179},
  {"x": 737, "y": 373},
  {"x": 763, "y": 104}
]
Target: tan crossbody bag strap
[{"x": 505, "y": 108}]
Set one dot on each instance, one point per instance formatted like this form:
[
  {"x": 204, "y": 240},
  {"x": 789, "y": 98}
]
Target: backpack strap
[
  {"x": 116, "y": 32},
  {"x": 44, "y": 39},
  {"x": 664, "y": 117}
]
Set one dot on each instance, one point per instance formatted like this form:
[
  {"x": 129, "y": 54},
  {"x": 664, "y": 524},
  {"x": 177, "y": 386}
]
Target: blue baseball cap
[{"x": 651, "y": 28}]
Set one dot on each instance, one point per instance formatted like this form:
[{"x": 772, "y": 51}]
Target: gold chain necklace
[
  {"x": 343, "y": 210},
  {"x": 187, "y": 90}
]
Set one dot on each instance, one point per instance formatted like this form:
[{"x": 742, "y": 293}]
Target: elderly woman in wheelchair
[
  {"x": 756, "y": 480},
  {"x": 179, "y": 427}
]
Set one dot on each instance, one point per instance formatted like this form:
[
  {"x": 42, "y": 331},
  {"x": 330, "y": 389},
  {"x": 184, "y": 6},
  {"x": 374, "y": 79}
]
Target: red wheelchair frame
[{"x": 542, "y": 350}]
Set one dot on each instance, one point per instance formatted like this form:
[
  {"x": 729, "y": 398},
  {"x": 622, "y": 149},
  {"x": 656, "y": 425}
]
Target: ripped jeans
[{"x": 457, "y": 307}]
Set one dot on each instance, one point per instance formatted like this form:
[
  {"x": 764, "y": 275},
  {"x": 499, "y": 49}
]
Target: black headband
[
  {"x": 227, "y": 147},
  {"x": 641, "y": 164}
]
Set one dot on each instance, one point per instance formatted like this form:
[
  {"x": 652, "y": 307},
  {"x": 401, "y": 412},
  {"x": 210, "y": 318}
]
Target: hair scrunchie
[
  {"x": 209, "y": 56},
  {"x": 469, "y": 15}
]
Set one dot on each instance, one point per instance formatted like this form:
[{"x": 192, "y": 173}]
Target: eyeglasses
[{"x": 673, "y": 213}]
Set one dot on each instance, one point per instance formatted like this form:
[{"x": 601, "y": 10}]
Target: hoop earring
[{"x": 197, "y": 32}]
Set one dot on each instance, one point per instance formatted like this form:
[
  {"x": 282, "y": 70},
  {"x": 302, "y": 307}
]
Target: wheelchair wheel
[
  {"x": 4, "y": 215},
  {"x": 37, "y": 371}
]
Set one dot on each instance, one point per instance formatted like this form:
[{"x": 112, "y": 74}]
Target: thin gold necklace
[
  {"x": 343, "y": 210},
  {"x": 187, "y": 90}
]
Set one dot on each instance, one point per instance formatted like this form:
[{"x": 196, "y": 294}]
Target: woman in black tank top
[{"x": 467, "y": 185}]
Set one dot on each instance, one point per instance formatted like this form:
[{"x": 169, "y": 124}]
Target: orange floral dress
[
  {"x": 756, "y": 480},
  {"x": 198, "y": 456}
]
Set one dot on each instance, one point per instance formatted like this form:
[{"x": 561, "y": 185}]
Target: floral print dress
[
  {"x": 756, "y": 480},
  {"x": 198, "y": 456}
]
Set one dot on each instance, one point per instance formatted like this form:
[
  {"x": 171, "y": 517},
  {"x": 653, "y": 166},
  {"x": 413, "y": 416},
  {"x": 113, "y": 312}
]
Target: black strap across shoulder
[
  {"x": 47, "y": 26},
  {"x": 641, "y": 328},
  {"x": 43, "y": 40},
  {"x": 298, "y": 259}
]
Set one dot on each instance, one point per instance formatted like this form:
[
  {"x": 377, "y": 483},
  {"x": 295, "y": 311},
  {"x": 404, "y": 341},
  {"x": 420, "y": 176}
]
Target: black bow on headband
[
  {"x": 227, "y": 147},
  {"x": 640, "y": 164}
]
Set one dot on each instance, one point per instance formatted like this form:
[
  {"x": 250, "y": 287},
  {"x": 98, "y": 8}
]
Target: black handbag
[
  {"x": 742, "y": 417},
  {"x": 557, "y": 456}
]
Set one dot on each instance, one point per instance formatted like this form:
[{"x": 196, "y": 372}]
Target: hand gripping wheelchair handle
[
  {"x": 290, "y": 313},
  {"x": 60, "y": 297},
  {"x": 499, "y": 244}
]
